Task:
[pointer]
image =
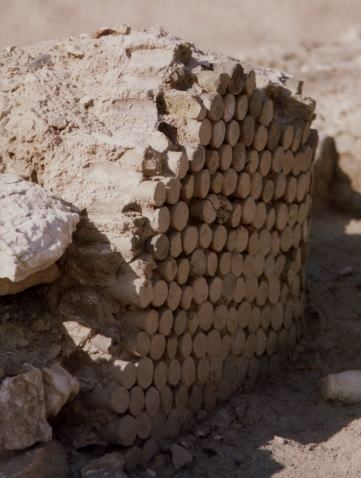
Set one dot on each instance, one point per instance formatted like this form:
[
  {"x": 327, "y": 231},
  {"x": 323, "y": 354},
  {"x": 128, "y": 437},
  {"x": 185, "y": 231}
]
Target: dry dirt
[{"x": 284, "y": 428}]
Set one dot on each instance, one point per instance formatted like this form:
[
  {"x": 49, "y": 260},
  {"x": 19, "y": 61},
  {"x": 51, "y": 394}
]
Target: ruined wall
[
  {"x": 193, "y": 172},
  {"x": 331, "y": 71}
]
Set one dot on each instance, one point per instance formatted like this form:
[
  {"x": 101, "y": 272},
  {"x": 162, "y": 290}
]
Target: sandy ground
[{"x": 234, "y": 27}]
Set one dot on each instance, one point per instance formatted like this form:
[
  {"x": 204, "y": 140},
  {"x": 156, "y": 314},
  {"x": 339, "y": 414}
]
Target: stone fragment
[
  {"x": 35, "y": 228},
  {"x": 23, "y": 416},
  {"x": 180, "y": 456},
  {"x": 344, "y": 386},
  {"x": 59, "y": 387},
  {"x": 105, "y": 31}
]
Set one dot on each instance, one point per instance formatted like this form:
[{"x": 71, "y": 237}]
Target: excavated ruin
[
  {"x": 331, "y": 70},
  {"x": 184, "y": 282}
]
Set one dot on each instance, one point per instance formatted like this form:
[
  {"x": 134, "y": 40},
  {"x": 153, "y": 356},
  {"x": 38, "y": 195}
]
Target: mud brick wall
[{"x": 185, "y": 280}]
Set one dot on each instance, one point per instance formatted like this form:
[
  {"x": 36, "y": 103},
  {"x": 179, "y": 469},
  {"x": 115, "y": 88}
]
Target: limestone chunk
[
  {"x": 35, "y": 228},
  {"x": 23, "y": 414},
  {"x": 59, "y": 387}
]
